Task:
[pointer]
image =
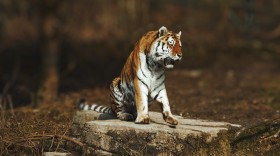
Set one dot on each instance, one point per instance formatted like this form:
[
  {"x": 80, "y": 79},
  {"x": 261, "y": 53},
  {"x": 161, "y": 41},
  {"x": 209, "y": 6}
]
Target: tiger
[{"x": 142, "y": 79}]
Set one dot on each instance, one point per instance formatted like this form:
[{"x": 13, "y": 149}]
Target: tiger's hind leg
[
  {"x": 120, "y": 111},
  {"x": 118, "y": 106},
  {"x": 125, "y": 116}
]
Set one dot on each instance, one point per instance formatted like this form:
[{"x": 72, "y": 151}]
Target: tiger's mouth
[{"x": 169, "y": 62}]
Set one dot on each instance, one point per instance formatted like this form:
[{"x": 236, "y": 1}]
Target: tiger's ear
[
  {"x": 162, "y": 31},
  {"x": 179, "y": 34}
]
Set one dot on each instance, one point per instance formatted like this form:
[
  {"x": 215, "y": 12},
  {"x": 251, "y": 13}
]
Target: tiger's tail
[{"x": 82, "y": 105}]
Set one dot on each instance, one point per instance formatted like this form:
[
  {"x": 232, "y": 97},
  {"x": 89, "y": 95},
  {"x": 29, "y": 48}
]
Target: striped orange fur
[{"x": 142, "y": 78}]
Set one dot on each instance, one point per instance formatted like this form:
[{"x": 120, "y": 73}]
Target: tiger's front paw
[
  {"x": 168, "y": 117},
  {"x": 171, "y": 120},
  {"x": 142, "y": 119}
]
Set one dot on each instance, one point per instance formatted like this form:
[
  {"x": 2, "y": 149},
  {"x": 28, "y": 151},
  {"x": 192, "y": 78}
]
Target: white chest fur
[{"x": 152, "y": 78}]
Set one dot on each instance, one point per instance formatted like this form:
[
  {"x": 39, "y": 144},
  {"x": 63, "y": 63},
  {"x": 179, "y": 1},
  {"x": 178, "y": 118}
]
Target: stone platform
[{"x": 110, "y": 136}]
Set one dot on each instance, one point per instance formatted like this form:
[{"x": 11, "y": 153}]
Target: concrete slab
[{"x": 105, "y": 133}]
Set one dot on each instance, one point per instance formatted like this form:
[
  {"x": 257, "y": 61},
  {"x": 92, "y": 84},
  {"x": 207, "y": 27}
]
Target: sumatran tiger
[{"x": 142, "y": 79}]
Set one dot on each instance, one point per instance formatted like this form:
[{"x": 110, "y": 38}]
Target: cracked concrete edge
[{"x": 167, "y": 144}]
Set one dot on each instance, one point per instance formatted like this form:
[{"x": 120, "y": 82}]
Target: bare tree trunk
[
  {"x": 50, "y": 53},
  {"x": 50, "y": 59}
]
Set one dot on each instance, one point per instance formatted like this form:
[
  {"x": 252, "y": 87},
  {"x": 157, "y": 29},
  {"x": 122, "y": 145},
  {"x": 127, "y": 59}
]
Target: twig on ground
[
  {"x": 29, "y": 142},
  {"x": 273, "y": 136},
  {"x": 42, "y": 143},
  {"x": 38, "y": 137},
  {"x": 60, "y": 141},
  {"x": 51, "y": 143},
  {"x": 70, "y": 139}
]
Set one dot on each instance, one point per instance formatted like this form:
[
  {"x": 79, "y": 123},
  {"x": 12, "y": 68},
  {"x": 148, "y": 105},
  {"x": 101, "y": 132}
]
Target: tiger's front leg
[
  {"x": 141, "y": 99},
  {"x": 166, "y": 112}
]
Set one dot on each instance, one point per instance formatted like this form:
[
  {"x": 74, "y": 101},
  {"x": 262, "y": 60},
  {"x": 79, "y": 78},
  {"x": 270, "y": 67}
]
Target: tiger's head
[{"x": 166, "y": 49}]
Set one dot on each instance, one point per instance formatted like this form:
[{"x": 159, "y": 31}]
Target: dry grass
[
  {"x": 44, "y": 129},
  {"x": 37, "y": 130}
]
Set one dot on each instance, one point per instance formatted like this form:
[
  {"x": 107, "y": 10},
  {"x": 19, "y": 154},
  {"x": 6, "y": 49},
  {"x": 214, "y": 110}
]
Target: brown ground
[{"x": 245, "y": 92}]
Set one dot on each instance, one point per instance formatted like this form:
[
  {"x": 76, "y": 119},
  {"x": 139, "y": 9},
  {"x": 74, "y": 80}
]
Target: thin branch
[
  {"x": 70, "y": 139},
  {"x": 51, "y": 143},
  {"x": 40, "y": 137},
  {"x": 273, "y": 136},
  {"x": 60, "y": 141}
]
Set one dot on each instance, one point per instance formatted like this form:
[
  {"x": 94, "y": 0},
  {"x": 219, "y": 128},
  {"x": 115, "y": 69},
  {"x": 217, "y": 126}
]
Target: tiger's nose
[{"x": 179, "y": 56}]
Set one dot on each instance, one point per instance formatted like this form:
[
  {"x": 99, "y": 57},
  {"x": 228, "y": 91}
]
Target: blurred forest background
[
  {"x": 49, "y": 46},
  {"x": 52, "y": 52}
]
